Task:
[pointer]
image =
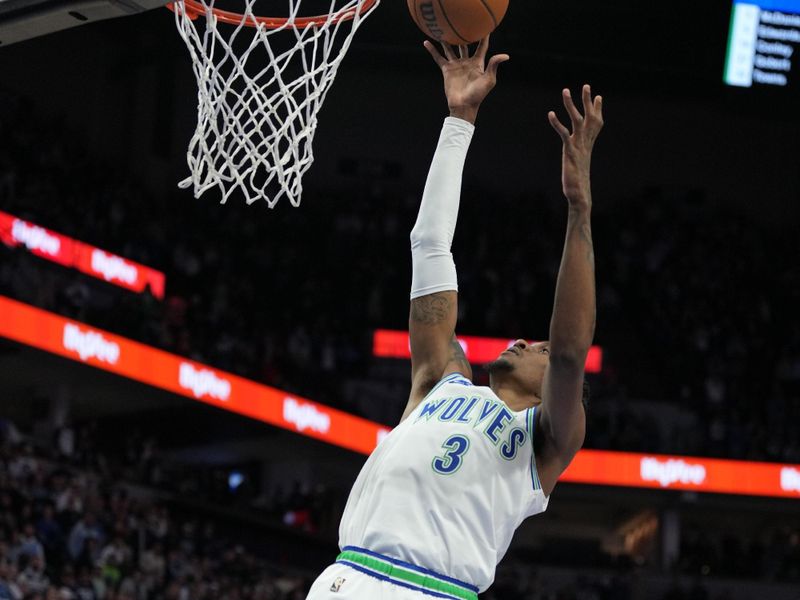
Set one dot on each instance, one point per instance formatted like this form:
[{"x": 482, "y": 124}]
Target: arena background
[{"x": 114, "y": 489}]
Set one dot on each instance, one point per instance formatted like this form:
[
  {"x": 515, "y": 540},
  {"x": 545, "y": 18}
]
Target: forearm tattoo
[
  {"x": 430, "y": 309},
  {"x": 457, "y": 356}
]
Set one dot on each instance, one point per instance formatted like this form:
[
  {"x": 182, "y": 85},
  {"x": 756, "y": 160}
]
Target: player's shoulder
[
  {"x": 447, "y": 384},
  {"x": 449, "y": 380},
  {"x": 456, "y": 378}
]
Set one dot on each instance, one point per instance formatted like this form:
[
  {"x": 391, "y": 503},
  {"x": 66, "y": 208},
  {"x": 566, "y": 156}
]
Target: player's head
[{"x": 522, "y": 366}]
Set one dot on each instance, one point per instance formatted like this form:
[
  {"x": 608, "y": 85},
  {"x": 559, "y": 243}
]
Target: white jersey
[{"x": 447, "y": 488}]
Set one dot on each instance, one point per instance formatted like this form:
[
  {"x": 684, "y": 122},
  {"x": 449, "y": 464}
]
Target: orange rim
[{"x": 195, "y": 9}]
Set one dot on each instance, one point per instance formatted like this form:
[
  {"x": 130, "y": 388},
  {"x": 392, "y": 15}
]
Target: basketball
[{"x": 457, "y": 21}]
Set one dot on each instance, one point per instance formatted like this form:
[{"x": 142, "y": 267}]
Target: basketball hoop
[{"x": 259, "y": 93}]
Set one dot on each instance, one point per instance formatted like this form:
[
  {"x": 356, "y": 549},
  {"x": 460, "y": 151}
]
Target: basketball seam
[
  {"x": 489, "y": 10},
  {"x": 446, "y": 18}
]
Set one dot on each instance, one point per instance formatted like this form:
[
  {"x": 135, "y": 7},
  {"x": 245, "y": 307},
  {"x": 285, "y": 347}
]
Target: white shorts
[{"x": 359, "y": 574}]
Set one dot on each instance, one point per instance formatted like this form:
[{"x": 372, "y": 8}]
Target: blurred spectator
[
  {"x": 9, "y": 590},
  {"x": 32, "y": 580},
  {"x": 114, "y": 559},
  {"x": 49, "y": 530},
  {"x": 87, "y": 528},
  {"x": 29, "y": 545}
]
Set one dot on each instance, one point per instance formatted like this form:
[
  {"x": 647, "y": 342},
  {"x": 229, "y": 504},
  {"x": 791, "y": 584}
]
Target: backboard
[{"x": 24, "y": 19}]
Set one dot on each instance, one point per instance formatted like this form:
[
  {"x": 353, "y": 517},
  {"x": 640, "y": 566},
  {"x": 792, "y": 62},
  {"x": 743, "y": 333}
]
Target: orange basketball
[{"x": 457, "y": 21}]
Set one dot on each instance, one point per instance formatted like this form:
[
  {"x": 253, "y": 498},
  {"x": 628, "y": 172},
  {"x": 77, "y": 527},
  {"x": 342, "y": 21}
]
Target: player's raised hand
[
  {"x": 578, "y": 145},
  {"x": 468, "y": 79}
]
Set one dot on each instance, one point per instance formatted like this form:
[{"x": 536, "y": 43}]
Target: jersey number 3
[{"x": 456, "y": 446}]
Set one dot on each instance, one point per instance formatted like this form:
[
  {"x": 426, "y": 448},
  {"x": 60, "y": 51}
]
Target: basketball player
[{"x": 436, "y": 504}]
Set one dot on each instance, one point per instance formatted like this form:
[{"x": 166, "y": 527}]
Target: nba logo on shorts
[{"x": 336, "y": 585}]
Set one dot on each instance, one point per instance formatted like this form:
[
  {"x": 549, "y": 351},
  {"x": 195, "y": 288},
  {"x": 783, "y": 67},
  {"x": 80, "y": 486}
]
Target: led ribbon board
[
  {"x": 478, "y": 350},
  {"x": 72, "y": 253},
  {"x": 684, "y": 473},
  {"x": 762, "y": 44},
  {"x": 154, "y": 367},
  {"x": 100, "y": 349}
]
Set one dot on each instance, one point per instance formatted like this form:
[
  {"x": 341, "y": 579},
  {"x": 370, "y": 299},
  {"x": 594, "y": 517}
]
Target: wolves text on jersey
[{"x": 491, "y": 416}]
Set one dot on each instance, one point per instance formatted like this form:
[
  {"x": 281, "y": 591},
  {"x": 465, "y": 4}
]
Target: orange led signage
[
  {"x": 478, "y": 350},
  {"x": 103, "y": 350},
  {"x": 69, "y": 252}
]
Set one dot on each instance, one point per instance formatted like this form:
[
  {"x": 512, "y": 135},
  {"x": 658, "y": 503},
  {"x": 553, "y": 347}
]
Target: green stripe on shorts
[{"x": 402, "y": 574}]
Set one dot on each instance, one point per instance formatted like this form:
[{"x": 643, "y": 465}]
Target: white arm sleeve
[{"x": 433, "y": 266}]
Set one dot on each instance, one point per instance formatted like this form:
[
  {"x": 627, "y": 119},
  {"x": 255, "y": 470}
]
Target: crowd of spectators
[
  {"x": 515, "y": 579},
  {"x": 519, "y": 581},
  {"x": 773, "y": 554},
  {"x": 129, "y": 454},
  {"x": 73, "y": 528},
  {"x": 694, "y": 302},
  {"x": 68, "y": 533}
]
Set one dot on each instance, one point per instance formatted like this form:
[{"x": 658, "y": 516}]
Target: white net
[{"x": 260, "y": 90}]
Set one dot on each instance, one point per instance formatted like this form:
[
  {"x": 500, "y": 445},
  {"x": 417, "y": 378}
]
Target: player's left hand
[
  {"x": 578, "y": 145},
  {"x": 467, "y": 79}
]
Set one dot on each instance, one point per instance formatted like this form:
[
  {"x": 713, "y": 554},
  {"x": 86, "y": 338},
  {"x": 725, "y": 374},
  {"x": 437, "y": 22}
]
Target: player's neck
[{"x": 513, "y": 398}]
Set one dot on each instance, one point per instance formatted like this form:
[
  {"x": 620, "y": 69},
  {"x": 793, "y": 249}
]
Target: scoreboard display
[{"x": 763, "y": 44}]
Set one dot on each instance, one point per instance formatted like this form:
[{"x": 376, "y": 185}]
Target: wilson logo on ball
[
  {"x": 429, "y": 18},
  {"x": 457, "y": 21}
]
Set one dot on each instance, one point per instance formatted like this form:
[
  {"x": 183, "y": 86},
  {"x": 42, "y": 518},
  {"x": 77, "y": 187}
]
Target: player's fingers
[
  {"x": 495, "y": 62},
  {"x": 595, "y": 118},
  {"x": 586, "y": 93},
  {"x": 573, "y": 111},
  {"x": 437, "y": 57},
  {"x": 463, "y": 51},
  {"x": 448, "y": 51},
  {"x": 562, "y": 131},
  {"x": 483, "y": 48},
  {"x": 598, "y": 108}
]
